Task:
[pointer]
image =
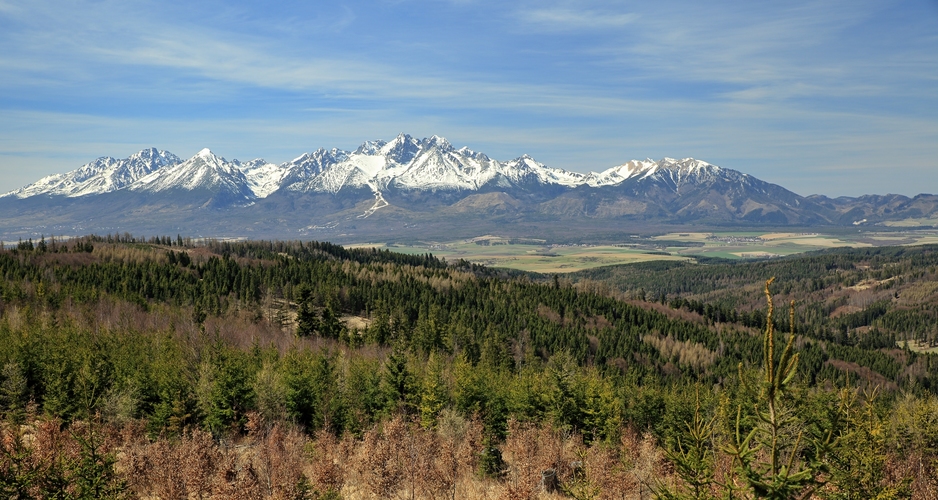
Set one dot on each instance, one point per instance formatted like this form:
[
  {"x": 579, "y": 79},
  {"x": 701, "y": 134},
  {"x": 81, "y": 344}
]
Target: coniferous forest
[{"x": 170, "y": 368}]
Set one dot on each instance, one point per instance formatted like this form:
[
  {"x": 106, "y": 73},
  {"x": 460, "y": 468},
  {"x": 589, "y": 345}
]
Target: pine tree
[
  {"x": 858, "y": 462},
  {"x": 307, "y": 321},
  {"x": 779, "y": 433},
  {"x": 433, "y": 394},
  {"x": 329, "y": 324},
  {"x": 693, "y": 460}
]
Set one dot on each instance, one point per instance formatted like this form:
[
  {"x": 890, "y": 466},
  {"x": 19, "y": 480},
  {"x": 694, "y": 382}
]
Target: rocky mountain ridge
[{"x": 406, "y": 184}]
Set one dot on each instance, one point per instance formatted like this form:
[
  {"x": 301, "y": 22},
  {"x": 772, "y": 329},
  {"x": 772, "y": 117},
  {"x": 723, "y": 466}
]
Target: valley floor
[{"x": 542, "y": 256}]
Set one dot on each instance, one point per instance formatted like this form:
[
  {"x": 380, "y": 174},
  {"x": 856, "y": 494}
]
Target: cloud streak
[{"x": 569, "y": 19}]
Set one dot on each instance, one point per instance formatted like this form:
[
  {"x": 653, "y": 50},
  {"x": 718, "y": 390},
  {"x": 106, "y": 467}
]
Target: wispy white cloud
[
  {"x": 812, "y": 49},
  {"x": 743, "y": 57},
  {"x": 565, "y": 19},
  {"x": 247, "y": 61}
]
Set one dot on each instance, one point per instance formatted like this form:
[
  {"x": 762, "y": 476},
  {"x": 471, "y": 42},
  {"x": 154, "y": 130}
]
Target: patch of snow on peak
[
  {"x": 263, "y": 178},
  {"x": 370, "y": 147},
  {"x": 439, "y": 142},
  {"x": 617, "y": 175}
]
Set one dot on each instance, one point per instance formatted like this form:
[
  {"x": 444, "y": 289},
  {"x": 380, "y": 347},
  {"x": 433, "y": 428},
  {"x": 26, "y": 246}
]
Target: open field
[
  {"x": 912, "y": 222},
  {"x": 920, "y": 347},
  {"x": 531, "y": 255},
  {"x": 742, "y": 245},
  {"x": 537, "y": 255}
]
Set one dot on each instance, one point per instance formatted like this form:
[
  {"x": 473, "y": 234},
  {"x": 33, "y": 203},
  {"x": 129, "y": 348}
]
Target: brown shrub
[
  {"x": 649, "y": 467},
  {"x": 529, "y": 452},
  {"x": 236, "y": 479},
  {"x": 278, "y": 457},
  {"x": 168, "y": 469},
  {"x": 605, "y": 474},
  {"x": 458, "y": 445},
  {"x": 378, "y": 461},
  {"x": 921, "y": 467},
  {"x": 329, "y": 462}
]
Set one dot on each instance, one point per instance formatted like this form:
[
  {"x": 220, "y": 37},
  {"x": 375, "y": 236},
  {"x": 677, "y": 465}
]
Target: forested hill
[
  {"x": 874, "y": 297},
  {"x": 421, "y": 305},
  {"x": 415, "y": 303},
  {"x": 162, "y": 339}
]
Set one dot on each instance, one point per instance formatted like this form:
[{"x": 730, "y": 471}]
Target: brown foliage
[
  {"x": 686, "y": 353},
  {"x": 457, "y": 455},
  {"x": 610, "y": 467},
  {"x": 549, "y": 314},
  {"x": 529, "y": 451},
  {"x": 872, "y": 378},
  {"x": 277, "y": 458},
  {"x": 268, "y": 463},
  {"x": 404, "y": 460},
  {"x": 615, "y": 470},
  {"x": 46, "y": 459},
  {"x": 236, "y": 479},
  {"x": 172, "y": 469},
  {"x": 921, "y": 468},
  {"x": 378, "y": 461},
  {"x": 329, "y": 462},
  {"x": 399, "y": 459}
]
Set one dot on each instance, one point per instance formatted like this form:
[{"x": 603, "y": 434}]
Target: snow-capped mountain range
[
  {"x": 404, "y": 163},
  {"x": 406, "y": 187}
]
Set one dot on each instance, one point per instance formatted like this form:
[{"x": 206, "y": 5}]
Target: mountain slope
[
  {"x": 205, "y": 174},
  {"x": 263, "y": 178}
]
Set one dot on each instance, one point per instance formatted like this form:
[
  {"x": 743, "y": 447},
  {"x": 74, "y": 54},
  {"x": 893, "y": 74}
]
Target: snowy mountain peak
[
  {"x": 320, "y": 158},
  {"x": 439, "y": 142},
  {"x": 621, "y": 173},
  {"x": 203, "y": 172},
  {"x": 263, "y": 178},
  {"x": 103, "y": 175},
  {"x": 688, "y": 165},
  {"x": 206, "y": 155},
  {"x": 401, "y": 150},
  {"x": 153, "y": 155},
  {"x": 370, "y": 147}
]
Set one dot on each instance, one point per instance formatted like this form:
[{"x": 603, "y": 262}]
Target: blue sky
[{"x": 832, "y": 97}]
